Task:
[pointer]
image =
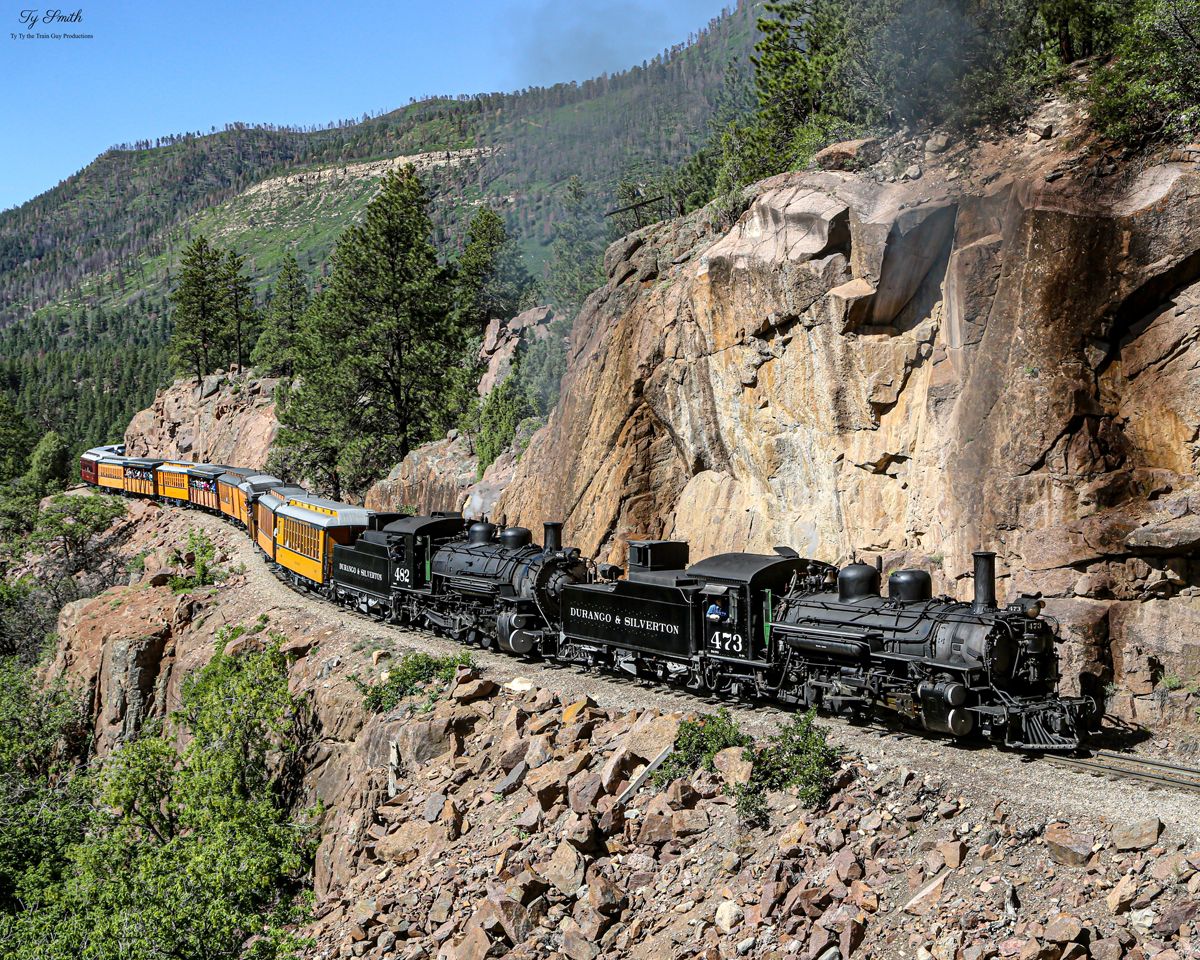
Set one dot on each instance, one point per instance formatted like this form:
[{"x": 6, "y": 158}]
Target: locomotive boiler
[{"x": 492, "y": 585}]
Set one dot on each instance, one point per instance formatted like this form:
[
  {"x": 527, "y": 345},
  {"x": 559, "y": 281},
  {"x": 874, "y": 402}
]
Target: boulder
[
  {"x": 732, "y": 765},
  {"x": 1067, "y": 848},
  {"x": 729, "y": 914},
  {"x": 925, "y": 899},
  {"x": 1120, "y": 898},
  {"x": 650, "y": 735},
  {"x": 583, "y": 791},
  {"x": 849, "y": 154},
  {"x": 1140, "y": 835},
  {"x": 473, "y": 689},
  {"x": 566, "y": 869}
]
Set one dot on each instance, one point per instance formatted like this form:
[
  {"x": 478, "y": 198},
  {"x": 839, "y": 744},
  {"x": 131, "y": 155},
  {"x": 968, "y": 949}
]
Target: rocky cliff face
[
  {"x": 228, "y": 418},
  {"x": 912, "y": 368}
]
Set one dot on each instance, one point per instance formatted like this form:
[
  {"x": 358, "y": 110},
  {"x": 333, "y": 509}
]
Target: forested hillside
[{"x": 86, "y": 269}]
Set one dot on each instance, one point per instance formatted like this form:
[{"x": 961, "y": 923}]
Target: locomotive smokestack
[
  {"x": 552, "y": 537},
  {"x": 985, "y": 581}
]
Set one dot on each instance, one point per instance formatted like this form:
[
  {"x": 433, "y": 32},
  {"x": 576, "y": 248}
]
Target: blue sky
[{"x": 152, "y": 69}]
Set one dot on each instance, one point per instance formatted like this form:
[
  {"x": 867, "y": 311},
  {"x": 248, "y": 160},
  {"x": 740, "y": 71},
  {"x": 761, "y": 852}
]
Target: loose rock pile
[{"x": 516, "y": 825}]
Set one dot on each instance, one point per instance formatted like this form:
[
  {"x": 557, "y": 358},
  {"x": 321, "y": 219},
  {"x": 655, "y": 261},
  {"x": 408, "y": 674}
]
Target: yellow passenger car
[
  {"x": 250, "y": 490},
  {"x": 306, "y": 529},
  {"x": 110, "y": 472},
  {"x": 264, "y": 516},
  {"x": 140, "y": 476},
  {"x": 228, "y": 495},
  {"x": 173, "y": 482},
  {"x": 202, "y": 486}
]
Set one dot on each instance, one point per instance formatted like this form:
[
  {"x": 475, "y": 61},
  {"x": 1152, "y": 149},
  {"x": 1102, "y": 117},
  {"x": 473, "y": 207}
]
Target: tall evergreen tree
[
  {"x": 576, "y": 261},
  {"x": 237, "y": 304},
  {"x": 16, "y": 441},
  {"x": 377, "y": 369},
  {"x": 199, "y": 309},
  {"x": 492, "y": 279},
  {"x": 275, "y": 352},
  {"x": 48, "y": 464}
]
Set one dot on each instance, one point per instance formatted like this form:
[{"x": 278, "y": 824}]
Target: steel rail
[{"x": 1118, "y": 765}]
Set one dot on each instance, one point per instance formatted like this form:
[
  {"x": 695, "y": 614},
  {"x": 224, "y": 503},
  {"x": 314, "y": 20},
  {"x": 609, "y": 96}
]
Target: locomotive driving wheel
[{"x": 715, "y": 680}]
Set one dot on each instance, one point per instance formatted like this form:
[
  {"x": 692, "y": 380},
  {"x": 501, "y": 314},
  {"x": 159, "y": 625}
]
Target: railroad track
[{"x": 1124, "y": 767}]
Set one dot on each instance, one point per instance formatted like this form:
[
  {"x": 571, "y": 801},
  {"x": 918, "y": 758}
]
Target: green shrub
[
  {"x": 798, "y": 755},
  {"x": 191, "y": 852},
  {"x": 1150, "y": 88},
  {"x": 492, "y": 423},
  {"x": 406, "y": 675},
  {"x": 697, "y": 742},
  {"x": 204, "y": 572}
]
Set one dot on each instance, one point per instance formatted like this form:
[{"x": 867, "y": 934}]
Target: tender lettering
[
  {"x": 359, "y": 572},
  {"x": 629, "y": 623}
]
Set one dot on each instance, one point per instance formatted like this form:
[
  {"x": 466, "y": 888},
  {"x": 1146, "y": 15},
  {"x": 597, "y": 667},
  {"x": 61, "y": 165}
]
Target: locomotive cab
[
  {"x": 411, "y": 542},
  {"x": 744, "y": 586}
]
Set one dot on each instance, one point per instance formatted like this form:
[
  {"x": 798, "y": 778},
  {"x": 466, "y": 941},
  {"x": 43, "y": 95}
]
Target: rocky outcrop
[
  {"x": 916, "y": 368},
  {"x": 503, "y": 340},
  {"x": 443, "y": 475},
  {"x": 482, "y": 820},
  {"x": 228, "y": 418}
]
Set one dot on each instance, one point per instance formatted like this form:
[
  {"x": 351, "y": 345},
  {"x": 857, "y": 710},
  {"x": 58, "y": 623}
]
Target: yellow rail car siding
[
  {"x": 266, "y": 541},
  {"x": 202, "y": 497},
  {"x": 144, "y": 487},
  {"x": 265, "y": 529},
  {"x": 301, "y": 548},
  {"x": 173, "y": 484},
  {"x": 298, "y": 563},
  {"x": 111, "y": 475},
  {"x": 227, "y": 494}
]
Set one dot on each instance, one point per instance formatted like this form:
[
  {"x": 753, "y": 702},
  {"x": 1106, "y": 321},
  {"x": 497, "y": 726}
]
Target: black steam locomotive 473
[{"x": 780, "y": 626}]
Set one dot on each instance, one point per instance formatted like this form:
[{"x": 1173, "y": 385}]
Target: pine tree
[
  {"x": 275, "y": 352},
  {"x": 48, "y": 464},
  {"x": 199, "y": 309},
  {"x": 380, "y": 349},
  {"x": 492, "y": 280},
  {"x": 16, "y": 441},
  {"x": 576, "y": 264},
  {"x": 237, "y": 304}
]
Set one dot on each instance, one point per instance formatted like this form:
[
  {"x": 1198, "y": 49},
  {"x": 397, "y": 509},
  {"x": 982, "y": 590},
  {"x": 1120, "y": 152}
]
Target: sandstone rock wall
[
  {"x": 228, "y": 418},
  {"x": 914, "y": 369},
  {"x": 443, "y": 475}
]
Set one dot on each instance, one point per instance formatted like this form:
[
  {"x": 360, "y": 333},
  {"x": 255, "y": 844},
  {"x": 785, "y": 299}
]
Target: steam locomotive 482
[{"x": 780, "y": 626}]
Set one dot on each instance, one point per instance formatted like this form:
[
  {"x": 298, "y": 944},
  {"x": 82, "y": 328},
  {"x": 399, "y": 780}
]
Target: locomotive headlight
[{"x": 1028, "y": 606}]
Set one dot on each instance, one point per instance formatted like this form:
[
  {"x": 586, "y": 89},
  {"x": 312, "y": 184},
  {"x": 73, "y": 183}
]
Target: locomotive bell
[{"x": 856, "y": 581}]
